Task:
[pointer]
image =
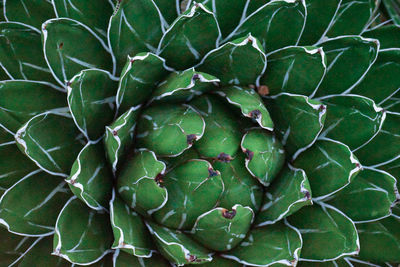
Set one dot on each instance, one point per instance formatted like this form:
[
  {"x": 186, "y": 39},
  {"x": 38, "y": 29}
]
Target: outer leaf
[
  {"x": 291, "y": 114},
  {"x": 33, "y": 213},
  {"x": 218, "y": 261},
  {"x": 169, "y": 9},
  {"x": 279, "y": 243},
  {"x": 287, "y": 194},
  {"x": 122, "y": 259},
  {"x": 265, "y": 24},
  {"x": 241, "y": 61},
  {"x": 17, "y": 41},
  {"x": 54, "y": 155},
  {"x": 193, "y": 34},
  {"x": 392, "y": 8},
  {"x": 65, "y": 56},
  {"x": 178, "y": 247},
  {"x": 91, "y": 180},
  {"x": 343, "y": 54},
  {"x": 329, "y": 166},
  {"x": 327, "y": 233},
  {"x": 82, "y": 235},
  {"x": 388, "y": 35},
  {"x": 288, "y": 66},
  {"x": 21, "y": 100},
  {"x": 91, "y": 100}
]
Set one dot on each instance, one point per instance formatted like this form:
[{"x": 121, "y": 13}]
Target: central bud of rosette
[{"x": 202, "y": 157}]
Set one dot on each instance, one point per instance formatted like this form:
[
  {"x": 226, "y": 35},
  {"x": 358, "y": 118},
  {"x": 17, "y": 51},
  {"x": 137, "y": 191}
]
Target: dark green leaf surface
[
  {"x": 82, "y": 235},
  {"x": 122, "y": 259},
  {"x": 388, "y": 36},
  {"x": 169, "y": 9},
  {"x": 65, "y": 56},
  {"x": 55, "y": 155},
  {"x": 392, "y": 7}
]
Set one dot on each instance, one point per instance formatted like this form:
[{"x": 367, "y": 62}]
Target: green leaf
[
  {"x": 383, "y": 79},
  {"x": 119, "y": 136},
  {"x": 220, "y": 229},
  {"x": 139, "y": 77},
  {"x": 180, "y": 123},
  {"x": 91, "y": 180},
  {"x": 193, "y": 189},
  {"x": 381, "y": 149},
  {"x": 21, "y": 100},
  {"x": 17, "y": 41},
  {"x": 393, "y": 7},
  {"x": 241, "y": 61},
  {"x": 218, "y": 261},
  {"x": 130, "y": 232},
  {"x": 33, "y": 12},
  {"x": 122, "y": 259},
  {"x": 371, "y": 188},
  {"x": 193, "y": 34},
  {"x": 169, "y": 9},
  {"x": 250, "y": 104},
  {"x": 286, "y": 195},
  {"x": 388, "y": 35},
  {"x": 83, "y": 11},
  {"x": 288, "y": 66},
  {"x": 327, "y": 233},
  {"x": 392, "y": 103},
  {"x": 266, "y": 24},
  {"x": 319, "y": 15},
  {"x": 82, "y": 235},
  {"x": 264, "y": 155},
  {"x": 278, "y": 243},
  {"x": 6, "y": 136},
  {"x": 91, "y": 100},
  {"x": 329, "y": 165},
  {"x": 394, "y": 169},
  {"x": 349, "y": 112},
  {"x": 291, "y": 115},
  {"x": 65, "y": 56},
  {"x": 131, "y": 31},
  {"x": 177, "y": 247},
  {"x": 31, "y": 206},
  {"x": 141, "y": 175},
  {"x": 346, "y": 53}
]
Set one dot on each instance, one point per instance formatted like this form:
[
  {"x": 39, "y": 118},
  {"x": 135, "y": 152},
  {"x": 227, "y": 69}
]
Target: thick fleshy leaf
[
  {"x": 319, "y": 15},
  {"x": 241, "y": 61},
  {"x": 55, "y": 155},
  {"x": 33, "y": 12},
  {"x": 83, "y": 11},
  {"x": 218, "y": 261},
  {"x": 327, "y": 233},
  {"x": 122, "y": 259},
  {"x": 393, "y": 103},
  {"x": 131, "y": 31},
  {"x": 291, "y": 115},
  {"x": 287, "y": 194},
  {"x": 370, "y": 196},
  {"x": 65, "y": 56},
  {"x": 394, "y": 169},
  {"x": 250, "y": 104},
  {"x": 13, "y": 246},
  {"x": 91, "y": 99},
  {"x": 169, "y": 9},
  {"x": 264, "y": 155},
  {"x": 193, "y": 34},
  {"x": 278, "y": 243},
  {"x": 193, "y": 188},
  {"x": 388, "y": 35},
  {"x": 177, "y": 247},
  {"x": 349, "y": 112},
  {"x": 346, "y": 53},
  {"x": 31, "y": 206},
  {"x": 329, "y": 165},
  {"x": 139, "y": 77},
  {"x": 392, "y": 7},
  {"x": 220, "y": 229},
  {"x": 119, "y": 136},
  {"x": 180, "y": 123},
  {"x": 183, "y": 86},
  {"x": 288, "y": 66},
  {"x": 141, "y": 175},
  {"x": 130, "y": 232},
  {"x": 352, "y": 17},
  {"x": 91, "y": 180},
  {"x": 16, "y": 57},
  {"x": 82, "y": 235},
  {"x": 266, "y": 24},
  {"x": 384, "y": 147},
  {"x": 239, "y": 186},
  {"x": 21, "y": 100},
  {"x": 383, "y": 79}
]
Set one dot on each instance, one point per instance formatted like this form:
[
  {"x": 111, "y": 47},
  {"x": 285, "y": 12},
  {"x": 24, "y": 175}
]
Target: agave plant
[{"x": 219, "y": 133}]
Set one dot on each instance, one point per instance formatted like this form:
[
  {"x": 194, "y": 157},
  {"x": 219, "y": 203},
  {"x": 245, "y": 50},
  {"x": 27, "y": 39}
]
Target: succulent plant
[{"x": 219, "y": 133}]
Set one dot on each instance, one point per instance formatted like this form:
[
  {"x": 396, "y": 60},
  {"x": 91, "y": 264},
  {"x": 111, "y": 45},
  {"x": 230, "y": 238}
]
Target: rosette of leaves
[{"x": 218, "y": 133}]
